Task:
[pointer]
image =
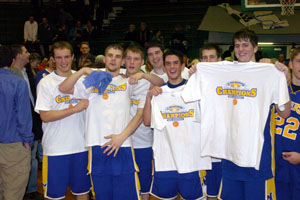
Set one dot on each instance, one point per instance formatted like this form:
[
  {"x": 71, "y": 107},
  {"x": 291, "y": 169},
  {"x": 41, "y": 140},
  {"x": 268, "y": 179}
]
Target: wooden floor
[{"x": 69, "y": 195}]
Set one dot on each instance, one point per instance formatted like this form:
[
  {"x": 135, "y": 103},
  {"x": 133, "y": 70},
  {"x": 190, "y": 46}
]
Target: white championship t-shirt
[
  {"x": 65, "y": 136},
  {"x": 235, "y": 101},
  {"x": 143, "y": 136},
  {"x": 108, "y": 113},
  {"x": 177, "y": 134}
]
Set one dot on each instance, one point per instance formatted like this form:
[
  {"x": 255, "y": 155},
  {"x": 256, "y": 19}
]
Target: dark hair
[
  {"x": 35, "y": 56},
  {"x": 155, "y": 43},
  {"x": 246, "y": 34},
  {"x": 62, "y": 45},
  {"x": 211, "y": 46},
  {"x": 170, "y": 52},
  {"x": 16, "y": 49},
  {"x": 6, "y": 56}
]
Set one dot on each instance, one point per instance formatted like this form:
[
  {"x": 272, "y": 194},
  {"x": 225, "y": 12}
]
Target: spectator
[
  {"x": 43, "y": 64},
  {"x": 143, "y": 35},
  {"x": 281, "y": 58},
  {"x": 30, "y": 34},
  {"x": 61, "y": 33},
  {"x": 178, "y": 40},
  {"x": 46, "y": 35},
  {"x": 228, "y": 53},
  {"x": 19, "y": 67},
  {"x": 65, "y": 18},
  {"x": 97, "y": 17},
  {"x": 157, "y": 36},
  {"x": 131, "y": 34},
  {"x": 15, "y": 133},
  {"x": 34, "y": 62},
  {"x": 76, "y": 32},
  {"x": 89, "y": 32},
  {"x": 85, "y": 55},
  {"x": 99, "y": 63},
  {"x": 50, "y": 67}
]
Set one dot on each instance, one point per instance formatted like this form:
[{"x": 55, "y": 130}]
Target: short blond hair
[{"x": 114, "y": 46}]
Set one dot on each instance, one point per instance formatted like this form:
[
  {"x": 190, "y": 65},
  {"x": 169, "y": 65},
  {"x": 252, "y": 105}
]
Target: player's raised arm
[
  {"x": 147, "y": 108},
  {"x": 153, "y": 79},
  {"x": 67, "y": 86}
]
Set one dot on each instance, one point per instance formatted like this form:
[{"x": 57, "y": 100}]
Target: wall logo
[{"x": 236, "y": 90}]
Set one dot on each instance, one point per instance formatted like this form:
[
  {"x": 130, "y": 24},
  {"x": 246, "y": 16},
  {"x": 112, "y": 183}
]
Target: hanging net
[{"x": 287, "y": 7}]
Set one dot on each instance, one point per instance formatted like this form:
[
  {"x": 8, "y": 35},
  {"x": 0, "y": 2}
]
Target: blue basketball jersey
[{"x": 287, "y": 139}]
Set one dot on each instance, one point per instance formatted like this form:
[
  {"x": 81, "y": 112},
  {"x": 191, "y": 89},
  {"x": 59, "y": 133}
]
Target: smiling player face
[
  {"x": 63, "y": 61},
  {"x": 244, "y": 50},
  {"x": 155, "y": 56},
  {"x": 173, "y": 68}
]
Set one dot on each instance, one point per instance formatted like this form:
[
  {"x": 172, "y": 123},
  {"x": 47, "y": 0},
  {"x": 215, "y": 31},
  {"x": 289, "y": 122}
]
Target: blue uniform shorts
[
  {"x": 144, "y": 160},
  {"x": 289, "y": 190},
  {"x": 114, "y": 178},
  {"x": 166, "y": 185},
  {"x": 246, "y": 190},
  {"x": 213, "y": 179},
  {"x": 59, "y": 172}
]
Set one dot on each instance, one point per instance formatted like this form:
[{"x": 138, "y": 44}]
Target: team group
[{"x": 126, "y": 134}]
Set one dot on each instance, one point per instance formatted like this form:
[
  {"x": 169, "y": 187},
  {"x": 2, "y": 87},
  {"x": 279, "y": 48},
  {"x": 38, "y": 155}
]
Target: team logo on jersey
[
  {"x": 176, "y": 113},
  {"x": 135, "y": 101},
  {"x": 295, "y": 107},
  {"x": 236, "y": 90},
  {"x": 111, "y": 88},
  {"x": 66, "y": 99},
  {"x": 175, "y": 123},
  {"x": 105, "y": 96}
]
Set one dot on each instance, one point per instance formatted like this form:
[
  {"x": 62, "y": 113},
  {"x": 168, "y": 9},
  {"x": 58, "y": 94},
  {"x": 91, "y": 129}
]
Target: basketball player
[
  {"x": 287, "y": 141},
  {"x": 65, "y": 156},
  {"x": 112, "y": 164},
  {"x": 246, "y": 182},
  {"x": 143, "y": 136},
  {"x": 174, "y": 127},
  {"x": 212, "y": 53}
]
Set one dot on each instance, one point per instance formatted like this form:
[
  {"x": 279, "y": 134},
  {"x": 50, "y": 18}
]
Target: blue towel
[{"x": 97, "y": 79}]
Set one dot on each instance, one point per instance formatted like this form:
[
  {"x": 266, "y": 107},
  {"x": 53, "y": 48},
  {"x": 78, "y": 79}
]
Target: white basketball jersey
[
  {"x": 143, "y": 136},
  {"x": 176, "y": 133},
  {"x": 64, "y": 136},
  {"x": 108, "y": 113},
  {"x": 235, "y": 101}
]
